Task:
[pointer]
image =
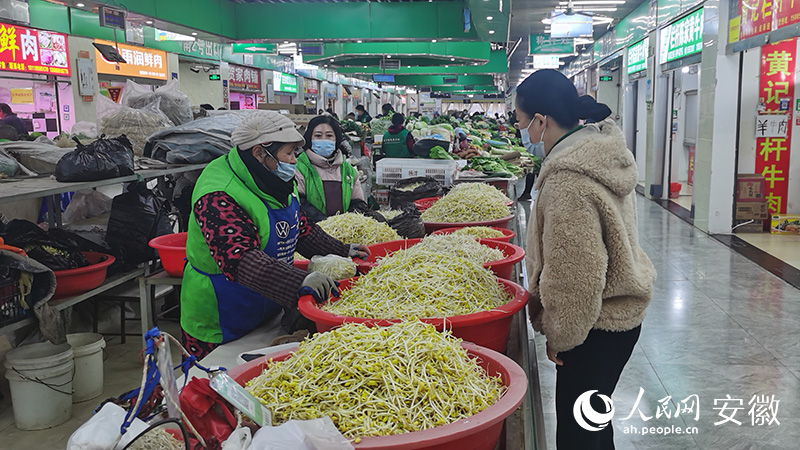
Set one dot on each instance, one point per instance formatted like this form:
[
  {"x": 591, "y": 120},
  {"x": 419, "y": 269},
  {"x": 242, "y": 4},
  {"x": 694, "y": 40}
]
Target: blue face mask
[
  {"x": 535, "y": 149},
  {"x": 323, "y": 148},
  {"x": 285, "y": 171}
]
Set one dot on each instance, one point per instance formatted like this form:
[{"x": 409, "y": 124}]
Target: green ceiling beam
[
  {"x": 352, "y": 20},
  {"x": 481, "y": 9},
  {"x": 438, "y": 80},
  {"x": 459, "y": 88},
  {"x": 497, "y": 64},
  {"x": 473, "y": 51}
]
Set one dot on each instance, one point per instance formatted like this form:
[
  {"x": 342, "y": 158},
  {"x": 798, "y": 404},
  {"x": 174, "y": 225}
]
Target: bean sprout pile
[
  {"x": 358, "y": 228},
  {"x": 478, "y": 232},
  {"x": 157, "y": 439},
  {"x": 391, "y": 214},
  {"x": 410, "y": 187},
  {"x": 420, "y": 283},
  {"x": 468, "y": 202},
  {"x": 378, "y": 381},
  {"x": 462, "y": 246}
]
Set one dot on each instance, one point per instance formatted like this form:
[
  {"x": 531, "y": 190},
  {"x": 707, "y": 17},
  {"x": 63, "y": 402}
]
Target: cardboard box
[
  {"x": 752, "y": 211},
  {"x": 785, "y": 224},
  {"x": 756, "y": 226},
  {"x": 750, "y": 188}
]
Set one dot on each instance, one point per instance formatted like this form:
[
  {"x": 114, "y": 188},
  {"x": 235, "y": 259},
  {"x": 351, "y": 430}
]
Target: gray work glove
[
  {"x": 319, "y": 286},
  {"x": 358, "y": 251}
]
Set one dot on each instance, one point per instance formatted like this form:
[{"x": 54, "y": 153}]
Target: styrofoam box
[{"x": 391, "y": 170}]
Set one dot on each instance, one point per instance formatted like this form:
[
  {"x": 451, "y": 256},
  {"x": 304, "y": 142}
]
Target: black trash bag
[
  {"x": 360, "y": 206},
  {"x": 100, "y": 160},
  {"x": 409, "y": 223},
  {"x": 137, "y": 216},
  {"x": 422, "y": 147},
  {"x": 56, "y": 249},
  {"x": 429, "y": 188}
]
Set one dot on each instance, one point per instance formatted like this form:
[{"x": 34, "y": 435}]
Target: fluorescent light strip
[
  {"x": 587, "y": 8},
  {"x": 595, "y": 2}
]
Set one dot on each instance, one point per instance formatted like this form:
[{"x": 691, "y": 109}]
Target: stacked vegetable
[
  {"x": 358, "y": 228},
  {"x": 420, "y": 283},
  {"x": 468, "y": 202},
  {"x": 378, "y": 381}
]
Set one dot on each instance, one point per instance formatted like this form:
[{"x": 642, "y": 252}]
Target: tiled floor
[
  {"x": 685, "y": 201},
  {"x": 783, "y": 247},
  {"x": 717, "y": 325}
]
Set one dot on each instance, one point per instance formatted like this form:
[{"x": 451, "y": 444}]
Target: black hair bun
[{"x": 588, "y": 108}]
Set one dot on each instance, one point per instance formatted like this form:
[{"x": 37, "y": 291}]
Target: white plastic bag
[
  {"x": 101, "y": 430},
  {"x": 174, "y": 103},
  {"x": 86, "y": 203},
  {"x": 87, "y": 129},
  {"x": 240, "y": 439},
  {"x": 334, "y": 266},
  {"x": 317, "y": 434},
  {"x": 137, "y": 124}
]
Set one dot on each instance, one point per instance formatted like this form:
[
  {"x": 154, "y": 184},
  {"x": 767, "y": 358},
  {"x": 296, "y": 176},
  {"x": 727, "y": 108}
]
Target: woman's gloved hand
[
  {"x": 319, "y": 286},
  {"x": 358, "y": 251}
]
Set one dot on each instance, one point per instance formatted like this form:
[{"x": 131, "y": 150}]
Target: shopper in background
[
  {"x": 245, "y": 227},
  {"x": 7, "y": 117},
  {"x": 398, "y": 141},
  {"x": 8, "y": 133},
  {"x": 326, "y": 182},
  {"x": 590, "y": 280},
  {"x": 385, "y": 110},
  {"x": 362, "y": 115},
  {"x": 333, "y": 114}
]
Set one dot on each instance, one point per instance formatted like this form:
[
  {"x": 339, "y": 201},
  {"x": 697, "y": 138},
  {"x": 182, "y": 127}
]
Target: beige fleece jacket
[{"x": 584, "y": 262}]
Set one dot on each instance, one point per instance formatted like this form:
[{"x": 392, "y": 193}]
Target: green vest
[
  {"x": 213, "y": 309},
  {"x": 315, "y": 192},
  {"x": 394, "y": 145}
]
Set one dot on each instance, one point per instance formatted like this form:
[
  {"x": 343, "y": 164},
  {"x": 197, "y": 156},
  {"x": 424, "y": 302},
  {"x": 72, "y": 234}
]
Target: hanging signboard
[
  {"x": 545, "y": 62},
  {"x": 637, "y": 56},
  {"x": 312, "y": 86},
  {"x": 283, "y": 82},
  {"x": 682, "y": 38},
  {"x": 141, "y": 62},
  {"x": 261, "y": 48},
  {"x": 241, "y": 77},
  {"x": 201, "y": 48},
  {"x": 773, "y": 133},
  {"x": 544, "y": 44},
  {"x": 762, "y": 16},
  {"x": 111, "y": 18},
  {"x": 25, "y": 49}
]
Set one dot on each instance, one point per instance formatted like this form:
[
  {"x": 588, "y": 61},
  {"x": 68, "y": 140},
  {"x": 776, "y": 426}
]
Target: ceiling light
[
  {"x": 388, "y": 56},
  {"x": 491, "y": 31},
  {"x": 465, "y": 74},
  {"x": 446, "y": 66},
  {"x": 285, "y": 42},
  {"x": 433, "y": 40},
  {"x": 489, "y": 17},
  {"x": 594, "y": 2},
  {"x": 80, "y": 5},
  {"x": 452, "y": 59},
  {"x": 365, "y": 67},
  {"x": 358, "y": 42},
  {"x": 331, "y": 59},
  {"x": 325, "y": 65},
  {"x": 194, "y": 34},
  {"x": 546, "y": 21},
  {"x": 685, "y": 69},
  {"x": 149, "y": 22}
]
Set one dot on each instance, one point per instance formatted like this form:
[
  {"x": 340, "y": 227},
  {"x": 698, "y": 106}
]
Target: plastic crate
[
  {"x": 11, "y": 309},
  {"x": 391, "y": 170}
]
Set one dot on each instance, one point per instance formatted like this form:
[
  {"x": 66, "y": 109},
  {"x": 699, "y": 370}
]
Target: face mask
[
  {"x": 323, "y": 148},
  {"x": 285, "y": 171},
  {"x": 535, "y": 149}
]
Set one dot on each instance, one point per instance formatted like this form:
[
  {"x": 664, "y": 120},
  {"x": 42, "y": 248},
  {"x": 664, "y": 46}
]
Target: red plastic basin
[
  {"x": 507, "y": 236},
  {"x": 488, "y": 329},
  {"x": 172, "y": 251},
  {"x": 502, "y": 222},
  {"x": 501, "y": 268},
  {"x": 479, "y": 432},
  {"x": 301, "y": 264},
  {"x": 425, "y": 203},
  {"x": 83, "y": 279}
]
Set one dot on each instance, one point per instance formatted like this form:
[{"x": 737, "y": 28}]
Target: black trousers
[{"x": 594, "y": 365}]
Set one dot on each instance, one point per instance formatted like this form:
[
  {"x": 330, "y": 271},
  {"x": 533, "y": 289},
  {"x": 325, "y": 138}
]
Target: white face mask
[{"x": 537, "y": 148}]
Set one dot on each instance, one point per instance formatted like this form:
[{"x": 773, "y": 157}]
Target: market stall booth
[
  {"x": 245, "y": 86},
  {"x": 285, "y": 87},
  {"x": 199, "y": 72},
  {"x": 34, "y": 78},
  {"x": 145, "y": 66}
]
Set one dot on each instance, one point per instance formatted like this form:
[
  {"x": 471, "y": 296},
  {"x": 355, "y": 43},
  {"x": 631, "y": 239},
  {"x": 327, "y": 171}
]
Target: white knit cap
[{"x": 265, "y": 127}]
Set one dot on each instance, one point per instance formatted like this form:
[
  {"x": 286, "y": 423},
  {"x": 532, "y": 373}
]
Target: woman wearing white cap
[{"x": 246, "y": 225}]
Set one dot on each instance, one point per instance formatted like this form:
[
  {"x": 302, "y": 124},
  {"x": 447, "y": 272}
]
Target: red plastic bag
[{"x": 208, "y": 412}]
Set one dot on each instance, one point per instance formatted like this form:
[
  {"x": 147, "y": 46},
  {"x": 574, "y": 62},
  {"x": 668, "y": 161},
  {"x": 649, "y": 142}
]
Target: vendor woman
[
  {"x": 327, "y": 184},
  {"x": 245, "y": 226}
]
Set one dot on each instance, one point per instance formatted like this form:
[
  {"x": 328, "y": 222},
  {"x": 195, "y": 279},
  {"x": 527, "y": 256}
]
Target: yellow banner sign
[{"x": 22, "y": 96}]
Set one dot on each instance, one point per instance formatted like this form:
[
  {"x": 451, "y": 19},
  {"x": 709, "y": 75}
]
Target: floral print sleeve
[{"x": 228, "y": 230}]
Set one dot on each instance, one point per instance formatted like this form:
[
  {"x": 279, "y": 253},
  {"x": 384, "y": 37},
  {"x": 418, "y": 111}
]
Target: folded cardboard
[
  {"x": 752, "y": 210},
  {"x": 746, "y": 226},
  {"x": 750, "y": 188}
]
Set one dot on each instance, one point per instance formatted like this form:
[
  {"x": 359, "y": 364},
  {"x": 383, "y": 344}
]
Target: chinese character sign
[
  {"x": 141, "y": 62},
  {"x": 763, "y": 16},
  {"x": 242, "y": 77},
  {"x": 773, "y": 133},
  {"x": 28, "y": 50}
]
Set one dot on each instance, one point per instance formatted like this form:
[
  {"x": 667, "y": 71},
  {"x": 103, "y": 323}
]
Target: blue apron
[{"x": 242, "y": 309}]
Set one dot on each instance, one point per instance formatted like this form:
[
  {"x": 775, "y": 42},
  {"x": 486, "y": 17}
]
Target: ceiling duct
[{"x": 390, "y": 64}]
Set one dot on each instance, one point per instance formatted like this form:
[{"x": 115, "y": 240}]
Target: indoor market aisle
[{"x": 718, "y": 325}]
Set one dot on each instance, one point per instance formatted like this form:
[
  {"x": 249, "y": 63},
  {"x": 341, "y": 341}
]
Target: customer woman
[
  {"x": 245, "y": 226},
  {"x": 326, "y": 182},
  {"x": 590, "y": 281}
]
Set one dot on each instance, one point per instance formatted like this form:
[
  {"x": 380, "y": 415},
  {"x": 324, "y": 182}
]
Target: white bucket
[
  {"x": 88, "y": 352},
  {"x": 40, "y": 376}
]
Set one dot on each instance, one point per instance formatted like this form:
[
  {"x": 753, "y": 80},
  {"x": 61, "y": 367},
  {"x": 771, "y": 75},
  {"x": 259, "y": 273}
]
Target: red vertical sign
[
  {"x": 787, "y": 12},
  {"x": 776, "y": 84}
]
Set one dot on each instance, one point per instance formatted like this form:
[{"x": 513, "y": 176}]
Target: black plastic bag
[
  {"x": 422, "y": 147},
  {"x": 100, "y": 160},
  {"x": 137, "y": 216},
  {"x": 429, "y": 188},
  {"x": 409, "y": 223},
  {"x": 56, "y": 249},
  {"x": 360, "y": 206}
]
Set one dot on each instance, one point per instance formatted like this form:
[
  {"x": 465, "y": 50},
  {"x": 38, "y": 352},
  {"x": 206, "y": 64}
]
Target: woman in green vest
[
  {"x": 245, "y": 227},
  {"x": 398, "y": 142},
  {"x": 326, "y": 182}
]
